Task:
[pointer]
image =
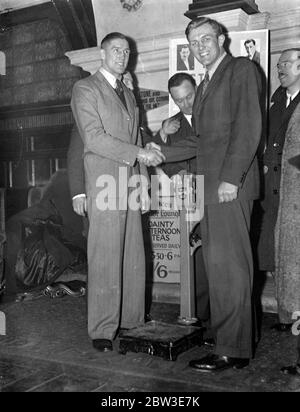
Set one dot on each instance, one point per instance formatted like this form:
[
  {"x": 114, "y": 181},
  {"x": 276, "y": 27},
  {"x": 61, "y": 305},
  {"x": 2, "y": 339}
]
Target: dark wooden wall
[{"x": 35, "y": 114}]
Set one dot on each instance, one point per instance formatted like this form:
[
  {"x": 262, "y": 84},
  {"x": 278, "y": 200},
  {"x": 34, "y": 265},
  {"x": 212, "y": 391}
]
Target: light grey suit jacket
[{"x": 109, "y": 131}]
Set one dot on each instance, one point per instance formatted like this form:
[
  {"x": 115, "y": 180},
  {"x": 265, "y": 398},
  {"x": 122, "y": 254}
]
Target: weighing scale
[{"x": 169, "y": 340}]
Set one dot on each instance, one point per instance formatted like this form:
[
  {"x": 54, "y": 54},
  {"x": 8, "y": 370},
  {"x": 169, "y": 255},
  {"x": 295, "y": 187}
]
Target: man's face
[
  {"x": 115, "y": 56},
  {"x": 184, "y": 96},
  {"x": 205, "y": 45},
  {"x": 184, "y": 53},
  {"x": 287, "y": 67},
  {"x": 250, "y": 49}
]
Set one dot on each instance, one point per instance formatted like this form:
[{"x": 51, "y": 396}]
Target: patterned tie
[
  {"x": 120, "y": 92},
  {"x": 205, "y": 82}
]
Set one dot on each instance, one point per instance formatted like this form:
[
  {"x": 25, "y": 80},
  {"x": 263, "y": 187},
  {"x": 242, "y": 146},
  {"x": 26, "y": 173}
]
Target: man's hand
[
  {"x": 152, "y": 145},
  {"x": 79, "y": 205},
  {"x": 168, "y": 126},
  {"x": 150, "y": 157},
  {"x": 227, "y": 192}
]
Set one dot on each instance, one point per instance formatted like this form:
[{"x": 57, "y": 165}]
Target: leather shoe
[
  {"x": 209, "y": 342},
  {"x": 103, "y": 345},
  {"x": 291, "y": 370},
  {"x": 282, "y": 327},
  {"x": 214, "y": 362}
]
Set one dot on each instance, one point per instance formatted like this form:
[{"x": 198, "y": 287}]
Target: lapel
[
  {"x": 282, "y": 114},
  {"x": 213, "y": 83},
  {"x": 109, "y": 91}
]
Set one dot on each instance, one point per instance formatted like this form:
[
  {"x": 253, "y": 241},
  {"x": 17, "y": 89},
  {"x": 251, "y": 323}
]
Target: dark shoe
[
  {"x": 282, "y": 327},
  {"x": 103, "y": 345},
  {"x": 291, "y": 370},
  {"x": 209, "y": 342},
  {"x": 214, "y": 362}
]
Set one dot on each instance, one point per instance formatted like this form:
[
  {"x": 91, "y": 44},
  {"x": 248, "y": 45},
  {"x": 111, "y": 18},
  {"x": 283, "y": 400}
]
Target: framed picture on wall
[{"x": 252, "y": 44}]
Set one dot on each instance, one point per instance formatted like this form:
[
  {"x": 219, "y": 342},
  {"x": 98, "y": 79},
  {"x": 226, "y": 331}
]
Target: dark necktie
[
  {"x": 205, "y": 82},
  {"x": 120, "y": 92}
]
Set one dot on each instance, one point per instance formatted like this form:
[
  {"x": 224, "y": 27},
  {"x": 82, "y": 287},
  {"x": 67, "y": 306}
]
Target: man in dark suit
[
  {"x": 182, "y": 88},
  {"x": 227, "y": 123},
  {"x": 285, "y": 100},
  {"x": 106, "y": 115},
  {"x": 253, "y": 54},
  {"x": 185, "y": 60}
]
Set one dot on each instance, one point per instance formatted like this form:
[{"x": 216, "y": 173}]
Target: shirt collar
[
  {"x": 292, "y": 96},
  {"x": 212, "y": 70},
  {"x": 109, "y": 77},
  {"x": 188, "y": 118}
]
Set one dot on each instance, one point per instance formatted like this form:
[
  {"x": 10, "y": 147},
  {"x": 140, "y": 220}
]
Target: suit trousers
[
  {"x": 116, "y": 271},
  {"x": 229, "y": 267}
]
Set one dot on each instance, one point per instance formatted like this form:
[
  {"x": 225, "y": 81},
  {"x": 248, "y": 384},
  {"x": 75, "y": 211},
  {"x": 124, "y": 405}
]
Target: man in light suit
[
  {"x": 227, "y": 123},
  {"x": 106, "y": 115},
  {"x": 76, "y": 165}
]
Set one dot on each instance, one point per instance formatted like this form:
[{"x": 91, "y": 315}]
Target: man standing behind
[
  {"x": 107, "y": 119},
  {"x": 227, "y": 123},
  {"x": 276, "y": 206}
]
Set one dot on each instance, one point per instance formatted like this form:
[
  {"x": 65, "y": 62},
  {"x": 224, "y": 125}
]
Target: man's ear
[
  {"x": 296, "y": 67},
  {"x": 221, "y": 40},
  {"x": 102, "y": 54}
]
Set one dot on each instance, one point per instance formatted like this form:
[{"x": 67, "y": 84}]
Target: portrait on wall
[
  {"x": 252, "y": 44},
  {"x": 185, "y": 59}
]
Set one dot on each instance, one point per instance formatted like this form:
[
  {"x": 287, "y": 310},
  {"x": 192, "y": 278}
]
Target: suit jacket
[
  {"x": 110, "y": 132},
  {"x": 75, "y": 164},
  {"x": 279, "y": 117},
  {"x": 228, "y": 125},
  {"x": 181, "y": 66},
  {"x": 256, "y": 57},
  {"x": 184, "y": 131}
]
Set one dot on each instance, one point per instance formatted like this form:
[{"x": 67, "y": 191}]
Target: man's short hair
[
  {"x": 249, "y": 41},
  {"x": 178, "y": 78},
  {"x": 112, "y": 36},
  {"x": 296, "y": 49},
  {"x": 199, "y": 21}
]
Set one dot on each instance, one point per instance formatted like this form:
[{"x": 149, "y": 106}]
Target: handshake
[{"x": 151, "y": 155}]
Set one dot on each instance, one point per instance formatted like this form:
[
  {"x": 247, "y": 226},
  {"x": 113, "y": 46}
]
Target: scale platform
[{"x": 160, "y": 339}]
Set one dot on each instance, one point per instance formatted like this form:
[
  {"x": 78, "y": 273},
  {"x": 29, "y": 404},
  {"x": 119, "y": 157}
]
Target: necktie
[
  {"x": 288, "y": 100},
  {"x": 120, "y": 92},
  {"x": 205, "y": 82}
]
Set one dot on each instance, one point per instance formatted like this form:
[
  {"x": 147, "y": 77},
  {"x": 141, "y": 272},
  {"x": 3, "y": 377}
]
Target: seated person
[{"x": 54, "y": 202}]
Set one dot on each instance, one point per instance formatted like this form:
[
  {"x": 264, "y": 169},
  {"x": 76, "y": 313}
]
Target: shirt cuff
[{"x": 79, "y": 195}]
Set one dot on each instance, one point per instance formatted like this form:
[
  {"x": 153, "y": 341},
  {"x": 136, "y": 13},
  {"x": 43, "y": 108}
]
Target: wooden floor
[{"x": 46, "y": 349}]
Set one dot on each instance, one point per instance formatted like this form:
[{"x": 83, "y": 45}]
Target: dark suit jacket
[
  {"x": 256, "y": 57},
  {"x": 181, "y": 66},
  {"x": 228, "y": 130},
  {"x": 185, "y": 130}
]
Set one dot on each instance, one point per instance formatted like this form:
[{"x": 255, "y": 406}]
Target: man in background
[{"x": 278, "y": 250}]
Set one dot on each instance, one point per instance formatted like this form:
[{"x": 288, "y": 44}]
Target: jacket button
[
  {"x": 275, "y": 168},
  {"x": 276, "y": 144},
  {"x": 275, "y": 191}
]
